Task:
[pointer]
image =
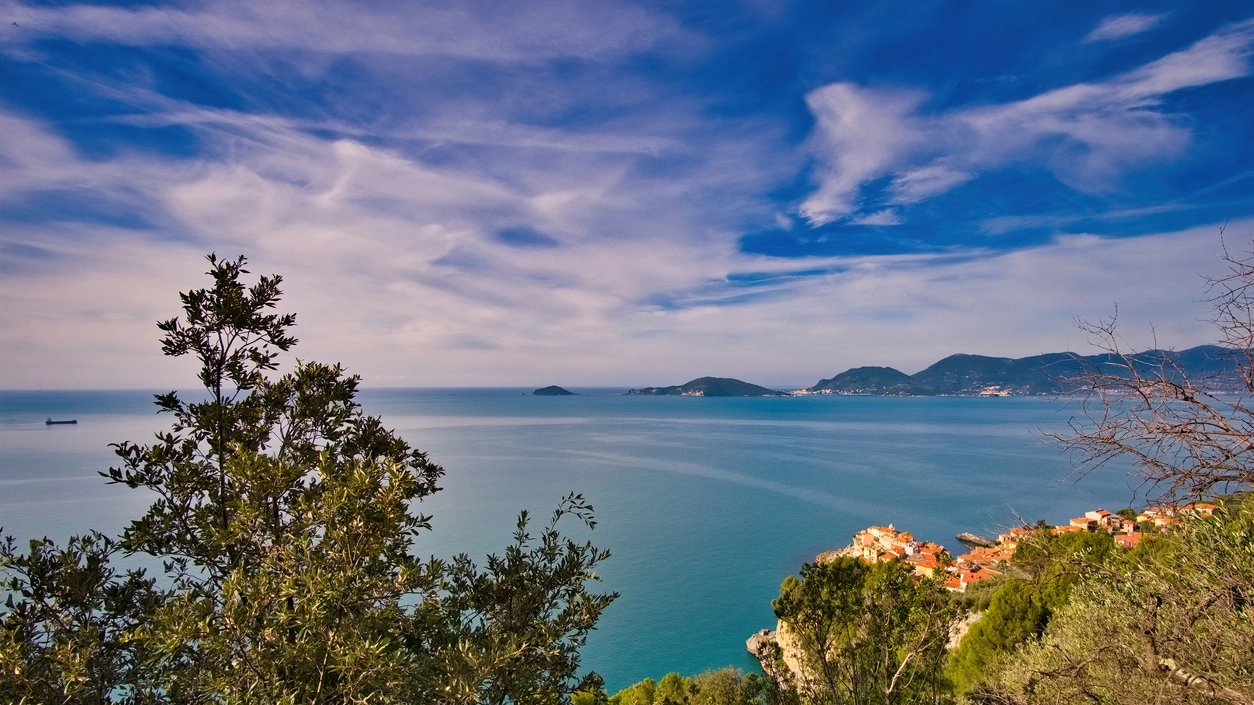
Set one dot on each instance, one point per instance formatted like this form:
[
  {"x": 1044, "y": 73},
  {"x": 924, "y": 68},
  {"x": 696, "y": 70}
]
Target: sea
[{"x": 706, "y": 503}]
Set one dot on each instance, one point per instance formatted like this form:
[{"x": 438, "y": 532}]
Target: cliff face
[
  {"x": 771, "y": 648},
  {"x": 789, "y": 651}
]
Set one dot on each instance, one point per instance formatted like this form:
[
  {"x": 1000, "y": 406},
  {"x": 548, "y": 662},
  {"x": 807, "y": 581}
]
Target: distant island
[
  {"x": 711, "y": 387},
  {"x": 1208, "y": 366},
  {"x": 552, "y": 391}
]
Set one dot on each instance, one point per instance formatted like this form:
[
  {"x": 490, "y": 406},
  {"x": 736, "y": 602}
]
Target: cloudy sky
[{"x": 606, "y": 193}]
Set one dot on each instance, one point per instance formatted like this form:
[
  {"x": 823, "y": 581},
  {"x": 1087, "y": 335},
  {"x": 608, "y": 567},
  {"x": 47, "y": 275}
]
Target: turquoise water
[{"x": 706, "y": 503}]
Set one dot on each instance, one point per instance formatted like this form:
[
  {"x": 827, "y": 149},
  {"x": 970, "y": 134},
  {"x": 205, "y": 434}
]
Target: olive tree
[
  {"x": 863, "y": 633},
  {"x": 285, "y": 521},
  {"x": 66, "y": 622},
  {"x": 1171, "y": 624}
]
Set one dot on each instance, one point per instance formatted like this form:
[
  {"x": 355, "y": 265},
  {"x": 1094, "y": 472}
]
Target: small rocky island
[
  {"x": 711, "y": 387},
  {"x": 552, "y": 391}
]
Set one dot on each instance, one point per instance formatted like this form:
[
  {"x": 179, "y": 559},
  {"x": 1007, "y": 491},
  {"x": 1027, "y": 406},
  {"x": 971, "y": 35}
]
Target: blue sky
[{"x": 619, "y": 193}]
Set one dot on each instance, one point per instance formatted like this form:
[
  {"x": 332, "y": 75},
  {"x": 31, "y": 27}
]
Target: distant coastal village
[
  {"x": 986, "y": 558},
  {"x": 925, "y": 558}
]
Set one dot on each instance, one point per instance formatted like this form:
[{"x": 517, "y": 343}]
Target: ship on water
[{"x": 50, "y": 422}]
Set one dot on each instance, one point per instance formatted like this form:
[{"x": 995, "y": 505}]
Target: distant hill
[
  {"x": 1209, "y": 366},
  {"x": 552, "y": 391},
  {"x": 711, "y": 387},
  {"x": 883, "y": 381}
]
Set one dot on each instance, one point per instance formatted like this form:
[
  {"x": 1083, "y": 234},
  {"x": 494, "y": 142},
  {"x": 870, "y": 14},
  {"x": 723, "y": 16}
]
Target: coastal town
[
  {"x": 986, "y": 558},
  {"x": 981, "y": 562}
]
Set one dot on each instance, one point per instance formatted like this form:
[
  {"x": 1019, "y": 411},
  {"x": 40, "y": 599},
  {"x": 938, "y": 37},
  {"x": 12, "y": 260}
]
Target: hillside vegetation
[{"x": 1075, "y": 619}]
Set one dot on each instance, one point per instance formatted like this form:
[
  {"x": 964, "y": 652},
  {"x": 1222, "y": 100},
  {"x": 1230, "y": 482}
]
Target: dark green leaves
[
  {"x": 284, "y": 519},
  {"x": 861, "y": 633},
  {"x": 66, "y": 624}
]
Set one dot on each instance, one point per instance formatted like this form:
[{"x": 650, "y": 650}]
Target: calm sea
[{"x": 706, "y": 503}]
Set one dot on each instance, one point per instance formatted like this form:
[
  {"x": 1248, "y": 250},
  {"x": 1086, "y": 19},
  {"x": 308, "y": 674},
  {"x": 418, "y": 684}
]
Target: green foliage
[
  {"x": 673, "y": 689},
  {"x": 1171, "y": 624},
  {"x": 63, "y": 632},
  {"x": 723, "y": 686},
  {"x": 1014, "y": 614},
  {"x": 284, "y": 520},
  {"x": 979, "y": 596},
  {"x": 311, "y": 610},
  {"x": 589, "y": 697},
  {"x": 1020, "y": 608},
  {"x": 638, "y": 694},
  {"x": 866, "y": 633},
  {"x": 1046, "y": 549},
  {"x": 526, "y": 614},
  {"x": 728, "y": 686},
  {"x": 296, "y": 418}
]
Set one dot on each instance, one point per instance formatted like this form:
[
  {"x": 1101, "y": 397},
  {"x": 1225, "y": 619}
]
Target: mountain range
[{"x": 1209, "y": 366}]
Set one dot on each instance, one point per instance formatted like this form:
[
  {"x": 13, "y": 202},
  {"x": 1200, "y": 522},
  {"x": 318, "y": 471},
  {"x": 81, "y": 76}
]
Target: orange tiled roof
[{"x": 1128, "y": 540}]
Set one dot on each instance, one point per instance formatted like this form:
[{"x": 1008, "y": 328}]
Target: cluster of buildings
[
  {"x": 994, "y": 391},
  {"x": 1126, "y": 529},
  {"x": 1163, "y": 517},
  {"x": 924, "y": 558}
]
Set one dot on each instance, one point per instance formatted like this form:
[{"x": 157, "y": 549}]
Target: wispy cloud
[
  {"x": 1087, "y": 134},
  {"x": 390, "y": 275},
  {"x": 414, "y": 249},
  {"x": 516, "y": 32},
  {"x": 888, "y": 216},
  {"x": 862, "y": 134},
  {"x": 376, "y": 225},
  {"x": 1120, "y": 26},
  {"x": 469, "y": 194},
  {"x": 923, "y": 183}
]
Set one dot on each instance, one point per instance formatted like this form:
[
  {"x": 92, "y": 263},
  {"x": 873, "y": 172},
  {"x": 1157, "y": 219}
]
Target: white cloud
[
  {"x": 861, "y": 134},
  {"x": 1120, "y": 26},
  {"x": 1088, "y": 134},
  {"x": 888, "y": 216},
  {"x": 1222, "y": 56},
  {"x": 512, "y": 32},
  {"x": 921, "y": 184},
  {"x": 359, "y": 233},
  {"x": 391, "y": 259},
  {"x": 392, "y": 262}
]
